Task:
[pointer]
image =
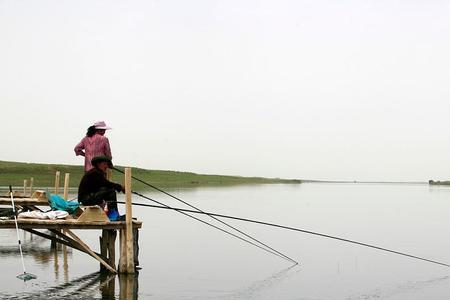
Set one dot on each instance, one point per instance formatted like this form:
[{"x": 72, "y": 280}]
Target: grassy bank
[{"x": 13, "y": 173}]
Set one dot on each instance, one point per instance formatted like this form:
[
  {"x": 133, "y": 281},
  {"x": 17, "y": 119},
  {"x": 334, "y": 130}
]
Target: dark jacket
[{"x": 93, "y": 180}]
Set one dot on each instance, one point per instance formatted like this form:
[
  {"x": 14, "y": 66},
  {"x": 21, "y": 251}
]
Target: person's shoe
[{"x": 113, "y": 215}]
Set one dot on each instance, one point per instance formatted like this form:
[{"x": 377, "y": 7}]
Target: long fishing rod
[
  {"x": 211, "y": 216},
  {"x": 216, "y": 227},
  {"x": 288, "y": 228}
]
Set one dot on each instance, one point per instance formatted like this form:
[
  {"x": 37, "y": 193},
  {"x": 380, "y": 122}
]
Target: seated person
[{"x": 95, "y": 189}]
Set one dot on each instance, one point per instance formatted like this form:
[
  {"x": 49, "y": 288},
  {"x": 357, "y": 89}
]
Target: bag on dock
[{"x": 56, "y": 202}]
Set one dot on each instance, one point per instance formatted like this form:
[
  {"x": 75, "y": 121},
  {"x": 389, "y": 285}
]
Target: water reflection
[
  {"x": 253, "y": 290},
  {"x": 129, "y": 286},
  {"x": 97, "y": 285},
  {"x": 400, "y": 289},
  {"x": 38, "y": 248},
  {"x": 408, "y": 218}
]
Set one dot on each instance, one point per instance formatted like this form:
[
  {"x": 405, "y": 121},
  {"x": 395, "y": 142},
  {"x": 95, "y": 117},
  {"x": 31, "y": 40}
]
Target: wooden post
[
  {"x": 66, "y": 186},
  {"x": 24, "y": 187},
  {"x": 123, "y": 251},
  {"x": 112, "y": 247},
  {"x": 66, "y": 197},
  {"x": 126, "y": 264},
  {"x": 108, "y": 247},
  {"x": 31, "y": 186},
  {"x": 103, "y": 246},
  {"x": 57, "y": 175}
]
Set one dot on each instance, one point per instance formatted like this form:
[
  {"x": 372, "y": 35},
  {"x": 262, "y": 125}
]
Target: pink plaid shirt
[{"x": 97, "y": 145}]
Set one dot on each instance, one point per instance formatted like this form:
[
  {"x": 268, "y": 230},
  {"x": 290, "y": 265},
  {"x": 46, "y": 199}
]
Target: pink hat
[{"x": 101, "y": 125}]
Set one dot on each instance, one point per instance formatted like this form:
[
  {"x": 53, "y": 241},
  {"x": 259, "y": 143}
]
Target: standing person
[
  {"x": 95, "y": 189},
  {"x": 94, "y": 144}
]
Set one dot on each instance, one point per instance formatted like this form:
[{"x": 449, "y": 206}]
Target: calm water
[{"x": 184, "y": 259}]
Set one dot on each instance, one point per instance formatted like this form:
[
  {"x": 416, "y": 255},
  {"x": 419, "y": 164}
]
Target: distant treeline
[
  {"x": 432, "y": 182},
  {"x": 14, "y": 173}
]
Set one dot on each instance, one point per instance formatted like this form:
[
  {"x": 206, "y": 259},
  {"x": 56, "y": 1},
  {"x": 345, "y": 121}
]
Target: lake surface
[{"x": 184, "y": 259}]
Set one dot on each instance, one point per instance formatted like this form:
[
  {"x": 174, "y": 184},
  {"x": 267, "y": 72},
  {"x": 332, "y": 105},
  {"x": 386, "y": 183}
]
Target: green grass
[{"x": 14, "y": 173}]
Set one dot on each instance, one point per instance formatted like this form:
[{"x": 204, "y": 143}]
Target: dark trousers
[{"x": 104, "y": 194}]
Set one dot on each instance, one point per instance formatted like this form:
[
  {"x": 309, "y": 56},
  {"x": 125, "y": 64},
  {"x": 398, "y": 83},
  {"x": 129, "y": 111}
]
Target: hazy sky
[{"x": 356, "y": 90}]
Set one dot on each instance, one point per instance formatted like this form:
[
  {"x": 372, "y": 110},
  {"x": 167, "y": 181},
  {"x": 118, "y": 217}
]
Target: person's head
[
  {"x": 91, "y": 131},
  {"x": 98, "y": 128},
  {"x": 101, "y": 163}
]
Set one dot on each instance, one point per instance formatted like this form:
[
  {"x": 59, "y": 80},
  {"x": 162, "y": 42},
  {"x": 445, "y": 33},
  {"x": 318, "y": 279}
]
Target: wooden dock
[{"x": 61, "y": 230}]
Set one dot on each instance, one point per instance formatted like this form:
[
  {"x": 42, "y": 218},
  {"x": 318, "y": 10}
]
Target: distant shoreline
[
  {"x": 432, "y": 182},
  {"x": 14, "y": 173},
  {"x": 368, "y": 182}
]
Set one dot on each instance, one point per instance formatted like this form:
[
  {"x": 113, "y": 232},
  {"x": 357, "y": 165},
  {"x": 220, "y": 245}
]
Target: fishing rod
[
  {"x": 288, "y": 228},
  {"x": 273, "y": 251}
]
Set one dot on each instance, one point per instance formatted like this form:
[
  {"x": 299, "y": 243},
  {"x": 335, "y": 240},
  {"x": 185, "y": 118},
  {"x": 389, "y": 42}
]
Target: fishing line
[
  {"x": 211, "y": 216},
  {"x": 293, "y": 229},
  {"x": 214, "y": 226}
]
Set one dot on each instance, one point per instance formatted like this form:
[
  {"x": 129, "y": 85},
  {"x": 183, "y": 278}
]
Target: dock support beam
[
  {"x": 108, "y": 247},
  {"x": 126, "y": 262}
]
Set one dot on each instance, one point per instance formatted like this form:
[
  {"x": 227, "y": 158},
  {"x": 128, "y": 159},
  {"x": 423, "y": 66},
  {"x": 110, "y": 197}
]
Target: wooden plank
[
  {"x": 67, "y": 242},
  {"x": 73, "y": 243},
  {"x": 24, "y": 201},
  {"x": 53, "y": 238},
  {"x": 64, "y": 224},
  {"x": 86, "y": 247},
  {"x": 24, "y": 187},
  {"x": 79, "y": 245}
]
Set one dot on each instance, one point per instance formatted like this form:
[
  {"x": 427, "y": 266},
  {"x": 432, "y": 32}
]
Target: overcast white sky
[{"x": 356, "y": 90}]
